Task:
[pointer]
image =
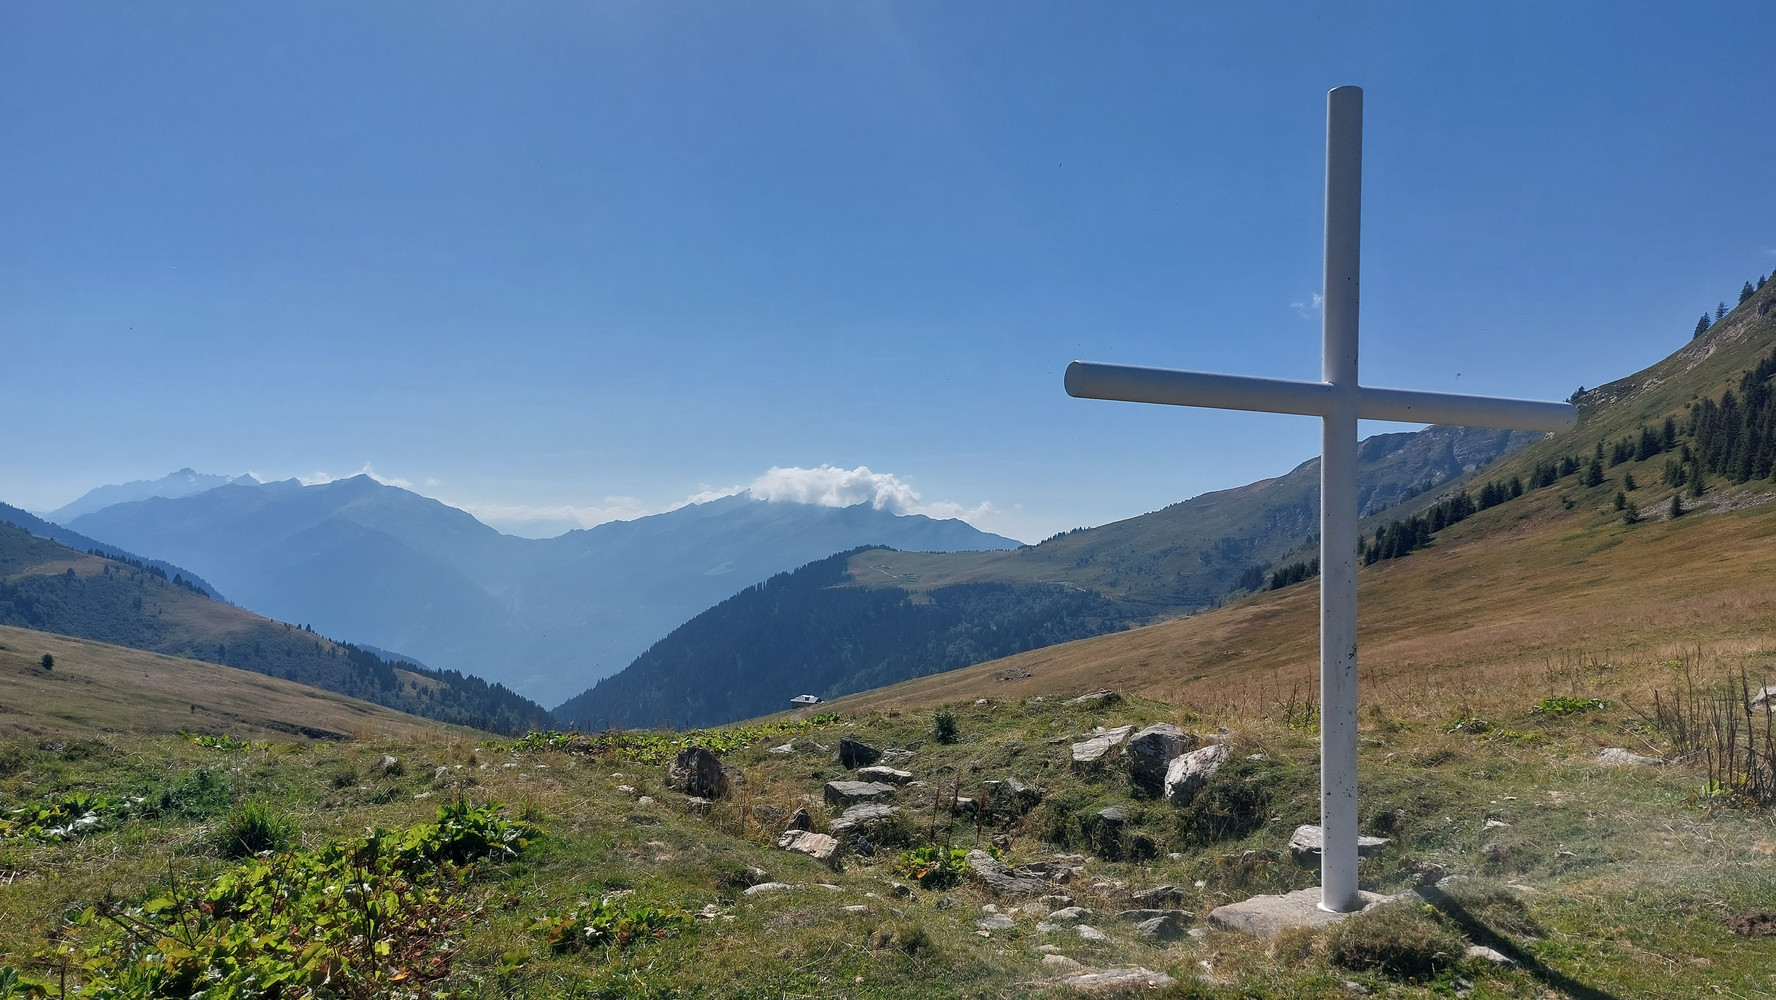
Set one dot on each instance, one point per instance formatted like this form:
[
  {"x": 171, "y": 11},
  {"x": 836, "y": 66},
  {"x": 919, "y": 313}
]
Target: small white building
[{"x": 804, "y": 700}]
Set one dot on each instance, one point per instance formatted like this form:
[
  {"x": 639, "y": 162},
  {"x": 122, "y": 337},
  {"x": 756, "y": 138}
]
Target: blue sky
[{"x": 568, "y": 261}]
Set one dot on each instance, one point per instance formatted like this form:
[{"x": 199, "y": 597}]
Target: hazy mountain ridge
[
  {"x": 52, "y": 588},
  {"x": 548, "y": 616},
  {"x": 75, "y": 540},
  {"x": 914, "y": 614},
  {"x": 183, "y": 483}
]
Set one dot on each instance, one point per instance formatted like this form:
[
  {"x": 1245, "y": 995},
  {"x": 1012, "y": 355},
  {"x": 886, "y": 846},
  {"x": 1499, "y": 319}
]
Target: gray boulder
[
  {"x": 1308, "y": 844},
  {"x": 800, "y": 820},
  {"x": 1097, "y": 699},
  {"x": 883, "y": 773},
  {"x": 1152, "y": 750},
  {"x": 865, "y": 818},
  {"x": 818, "y": 846},
  {"x": 845, "y": 793},
  {"x": 1133, "y": 979},
  {"x": 1002, "y": 880},
  {"x": 696, "y": 771},
  {"x": 1169, "y": 925},
  {"x": 1188, "y": 774},
  {"x": 1100, "y": 746},
  {"x": 855, "y": 753}
]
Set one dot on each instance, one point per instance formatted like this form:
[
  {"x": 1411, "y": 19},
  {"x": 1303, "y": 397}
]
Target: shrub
[
  {"x": 47, "y": 663},
  {"x": 252, "y": 828},
  {"x": 198, "y": 795},
  {"x": 345, "y": 777},
  {"x": 1396, "y": 939},
  {"x": 1234, "y": 803},
  {"x": 943, "y": 726},
  {"x": 1561, "y": 706}
]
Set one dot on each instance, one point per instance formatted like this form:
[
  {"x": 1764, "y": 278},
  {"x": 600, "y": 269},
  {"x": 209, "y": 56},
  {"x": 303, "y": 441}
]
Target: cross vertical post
[
  {"x": 1339, "y": 400},
  {"x": 1338, "y": 501}
]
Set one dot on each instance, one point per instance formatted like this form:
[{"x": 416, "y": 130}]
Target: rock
[
  {"x": 1133, "y": 979},
  {"x": 1168, "y": 926},
  {"x": 1114, "y": 815},
  {"x": 1046, "y": 927},
  {"x": 1054, "y": 961},
  {"x": 1486, "y": 954},
  {"x": 1157, "y": 897},
  {"x": 767, "y": 814},
  {"x": 389, "y": 764},
  {"x": 1765, "y": 698},
  {"x": 857, "y": 908},
  {"x": 844, "y": 793},
  {"x": 1151, "y": 750},
  {"x": 698, "y": 805},
  {"x": 854, "y": 754},
  {"x": 1047, "y": 871},
  {"x": 1069, "y": 914},
  {"x": 995, "y": 922},
  {"x": 1146, "y": 914},
  {"x": 1307, "y": 845},
  {"x": 884, "y": 774},
  {"x": 1618, "y": 757},
  {"x": 1096, "y": 699},
  {"x": 1000, "y": 879},
  {"x": 1056, "y": 902},
  {"x": 785, "y": 748},
  {"x": 800, "y": 820},
  {"x": 1187, "y": 775},
  {"x": 1265, "y": 916},
  {"x": 819, "y": 846},
  {"x": 1089, "y": 933},
  {"x": 901, "y": 889},
  {"x": 696, "y": 771},
  {"x": 1101, "y": 745},
  {"x": 865, "y": 818},
  {"x": 645, "y": 800},
  {"x": 767, "y": 887},
  {"x": 1494, "y": 824}
]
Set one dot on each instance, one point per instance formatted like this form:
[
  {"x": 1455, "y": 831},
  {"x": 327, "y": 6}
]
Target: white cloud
[
  {"x": 1307, "y": 311},
  {"x": 831, "y": 486}
]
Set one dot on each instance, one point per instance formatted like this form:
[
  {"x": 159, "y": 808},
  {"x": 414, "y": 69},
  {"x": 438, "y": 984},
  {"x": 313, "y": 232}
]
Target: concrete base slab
[{"x": 1266, "y": 916}]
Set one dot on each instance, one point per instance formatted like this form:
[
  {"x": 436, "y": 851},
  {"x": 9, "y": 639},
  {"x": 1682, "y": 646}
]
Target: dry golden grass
[{"x": 98, "y": 688}]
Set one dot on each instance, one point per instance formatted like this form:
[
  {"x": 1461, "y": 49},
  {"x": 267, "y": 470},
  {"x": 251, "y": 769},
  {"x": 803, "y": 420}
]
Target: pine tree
[
  {"x": 1631, "y": 514},
  {"x": 1628, "y": 481},
  {"x": 1697, "y": 487},
  {"x": 1594, "y": 474},
  {"x": 1621, "y": 500},
  {"x": 1677, "y": 507},
  {"x": 1720, "y": 312},
  {"x": 1701, "y": 327},
  {"x": 1746, "y": 292}
]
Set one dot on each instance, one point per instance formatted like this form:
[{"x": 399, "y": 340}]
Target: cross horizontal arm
[{"x": 1086, "y": 380}]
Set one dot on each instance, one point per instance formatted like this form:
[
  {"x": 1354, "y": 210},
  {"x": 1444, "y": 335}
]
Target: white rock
[
  {"x": 1188, "y": 774},
  {"x": 1090, "y": 933},
  {"x": 1060, "y": 962},
  {"x": 1618, "y": 757},
  {"x": 767, "y": 887},
  {"x": 1128, "y": 980}
]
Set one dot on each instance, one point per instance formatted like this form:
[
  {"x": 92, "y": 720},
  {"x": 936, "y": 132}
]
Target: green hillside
[{"x": 49, "y": 587}]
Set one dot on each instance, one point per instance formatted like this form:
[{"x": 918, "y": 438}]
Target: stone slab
[{"x": 1266, "y": 916}]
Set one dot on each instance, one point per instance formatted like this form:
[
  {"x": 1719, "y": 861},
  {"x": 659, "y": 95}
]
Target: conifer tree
[
  {"x": 1594, "y": 474},
  {"x": 1628, "y": 481},
  {"x": 1697, "y": 487},
  {"x": 1677, "y": 507},
  {"x": 1621, "y": 500},
  {"x": 1746, "y": 292},
  {"x": 1701, "y": 327},
  {"x": 1631, "y": 515},
  {"x": 1720, "y": 312}
]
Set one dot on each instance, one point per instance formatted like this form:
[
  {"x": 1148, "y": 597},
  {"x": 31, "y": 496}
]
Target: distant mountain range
[
  {"x": 877, "y": 616},
  {"x": 49, "y": 587},
  {"x": 547, "y": 617},
  {"x": 183, "y": 483}
]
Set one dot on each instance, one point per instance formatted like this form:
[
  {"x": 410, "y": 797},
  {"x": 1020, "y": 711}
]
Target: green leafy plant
[
  {"x": 366, "y": 917},
  {"x": 1561, "y": 706},
  {"x": 943, "y": 726},
  {"x": 606, "y": 922},
  {"x": 933, "y": 867},
  {"x": 65, "y": 817}
]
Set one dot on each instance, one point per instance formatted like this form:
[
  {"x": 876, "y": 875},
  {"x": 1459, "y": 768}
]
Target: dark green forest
[
  {"x": 807, "y": 632},
  {"x": 129, "y": 604}
]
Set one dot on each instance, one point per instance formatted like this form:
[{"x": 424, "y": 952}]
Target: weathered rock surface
[
  {"x": 767, "y": 887},
  {"x": 1089, "y": 933},
  {"x": 819, "y": 846},
  {"x": 1047, "y": 871},
  {"x": 883, "y": 773},
  {"x": 1100, "y": 746},
  {"x": 696, "y": 771},
  {"x": 1308, "y": 844},
  {"x": 1266, "y": 916},
  {"x": 1055, "y": 961},
  {"x": 1152, "y": 750},
  {"x": 1168, "y": 926},
  {"x": 995, "y": 922},
  {"x": 1002, "y": 880},
  {"x": 1012, "y": 795},
  {"x": 1133, "y": 979},
  {"x": 1486, "y": 954},
  {"x": 855, "y": 753},
  {"x": 1157, "y": 897},
  {"x": 800, "y": 820},
  {"x": 864, "y": 818},
  {"x": 1096, "y": 699},
  {"x": 1618, "y": 757},
  {"x": 1187, "y": 775},
  {"x": 844, "y": 793},
  {"x": 1069, "y": 914}
]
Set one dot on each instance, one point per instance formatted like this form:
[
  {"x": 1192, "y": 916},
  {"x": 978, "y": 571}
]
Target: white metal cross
[{"x": 1339, "y": 401}]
